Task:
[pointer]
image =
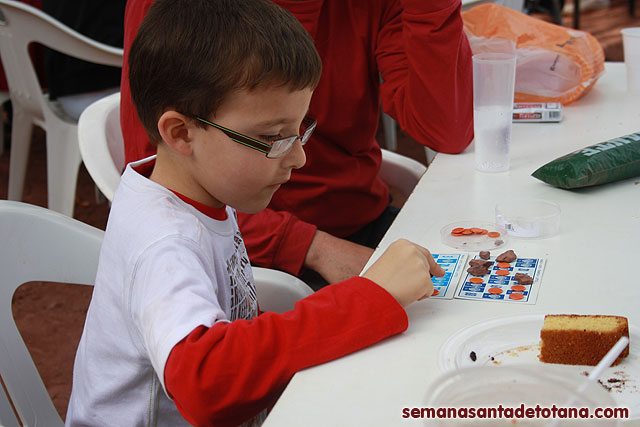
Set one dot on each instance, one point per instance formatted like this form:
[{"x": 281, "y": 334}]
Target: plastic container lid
[
  {"x": 528, "y": 219},
  {"x": 513, "y": 386},
  {"x": 473, "y": 241}
]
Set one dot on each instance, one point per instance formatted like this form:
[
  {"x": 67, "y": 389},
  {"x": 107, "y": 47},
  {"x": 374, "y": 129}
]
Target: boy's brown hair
[{"x": 189, "y": 54}]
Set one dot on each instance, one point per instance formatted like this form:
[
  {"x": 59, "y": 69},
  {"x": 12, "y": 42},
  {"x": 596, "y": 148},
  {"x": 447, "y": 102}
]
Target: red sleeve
[
  {"x": 276, "y": 239},
  {"x": 425, "y": 61},
  {"x": 230, "y": 372},
  {"x": 136, "y": 142}
]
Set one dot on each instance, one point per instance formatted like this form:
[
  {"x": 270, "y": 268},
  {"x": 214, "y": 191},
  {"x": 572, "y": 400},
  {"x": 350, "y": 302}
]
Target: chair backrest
[
  {"x": 37, "y": 245},
  {"x": 21, "y": 25},
  {"x": 102, "y": 144},
  {"x": 400, "y": 171},
  {"x": 278, "y": 291}
]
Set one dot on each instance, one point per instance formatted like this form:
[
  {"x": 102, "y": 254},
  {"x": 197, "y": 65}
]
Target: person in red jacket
[
  {"x": 174, "y": 334},
  {"x": 412, "y": 57}
]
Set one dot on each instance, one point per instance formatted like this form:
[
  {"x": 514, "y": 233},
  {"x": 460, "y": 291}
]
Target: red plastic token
[
  {"x": 495, "y": 291},
  {"x": 503, "y": 265},
  {"x": 476, "y": 280},
  {"x": 435, "y": 292},
  {"x": 502, "y": 272},
  {"x": 518, "y": 288},
  {"x": 516, "y": 296},
  {"x": 493, "y": 234}
]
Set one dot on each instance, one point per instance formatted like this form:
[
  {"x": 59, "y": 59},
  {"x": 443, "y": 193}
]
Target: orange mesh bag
[{"x": 555, "y": 64}]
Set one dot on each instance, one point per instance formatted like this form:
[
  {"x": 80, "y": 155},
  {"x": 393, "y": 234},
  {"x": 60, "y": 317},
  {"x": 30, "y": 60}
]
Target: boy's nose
[{"x": 296, "y": 157}]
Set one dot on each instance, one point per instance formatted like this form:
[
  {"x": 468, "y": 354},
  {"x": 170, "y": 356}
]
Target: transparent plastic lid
[{"x": 473, "y": 235}]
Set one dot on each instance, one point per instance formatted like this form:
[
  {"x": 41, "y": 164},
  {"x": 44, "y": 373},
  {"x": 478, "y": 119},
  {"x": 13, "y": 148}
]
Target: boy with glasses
[
  {"x": 173, "y": 335},
  {"x": 409, "y": 56}
]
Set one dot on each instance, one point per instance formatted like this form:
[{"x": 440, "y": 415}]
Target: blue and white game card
[
  {"x": 453, "y": 266},
  {"x": 500, "y": 284}
]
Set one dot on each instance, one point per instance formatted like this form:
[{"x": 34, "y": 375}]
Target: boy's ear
[{"x": 176, "y": 131}]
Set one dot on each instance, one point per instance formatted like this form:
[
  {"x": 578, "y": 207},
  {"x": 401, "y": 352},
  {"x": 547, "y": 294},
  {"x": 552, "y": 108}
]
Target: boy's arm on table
[
  {"x": 277, "y": 239},
  {"x": 228, "y": 373},
  {"x": 425, "y": 61}
]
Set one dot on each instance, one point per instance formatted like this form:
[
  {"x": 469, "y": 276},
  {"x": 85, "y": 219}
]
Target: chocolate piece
[
  {"x": 498, "y": 242},
  {"x": 479, "y": 263},
  {"x": 484, "y": 254},
  {"x": 478, "y": 270},
  {"x": 523, "y": 279},
  {"x": 508, "y": 256},
  {"x": 473, "y": 356}
]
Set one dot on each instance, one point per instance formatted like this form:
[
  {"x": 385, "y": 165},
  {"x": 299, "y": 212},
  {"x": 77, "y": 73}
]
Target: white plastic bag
[{"x": 555, "y": 64}]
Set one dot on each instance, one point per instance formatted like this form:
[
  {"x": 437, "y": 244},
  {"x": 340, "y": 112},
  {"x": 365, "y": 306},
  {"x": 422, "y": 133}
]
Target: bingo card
[
  {"x": 500, "y": 285},
  {"x": 453, "y": 265}
]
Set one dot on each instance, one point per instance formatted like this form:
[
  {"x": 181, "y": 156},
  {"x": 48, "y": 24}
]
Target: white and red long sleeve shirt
[{"x": 173, "y": 336}]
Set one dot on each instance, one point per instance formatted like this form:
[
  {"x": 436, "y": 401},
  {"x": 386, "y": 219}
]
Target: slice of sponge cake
[{"x": 573, "y": 339}]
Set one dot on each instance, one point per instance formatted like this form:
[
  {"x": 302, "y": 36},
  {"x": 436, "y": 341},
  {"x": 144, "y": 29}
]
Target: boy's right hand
[{"x": 405, "y": 270}]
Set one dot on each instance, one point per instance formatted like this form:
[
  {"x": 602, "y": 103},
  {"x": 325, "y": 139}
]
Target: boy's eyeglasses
[{"x": 278, "y": 147}]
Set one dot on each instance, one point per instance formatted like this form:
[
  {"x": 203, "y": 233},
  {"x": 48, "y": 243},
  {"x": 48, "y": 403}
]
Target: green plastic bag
[{"x": 608, "y": 161}]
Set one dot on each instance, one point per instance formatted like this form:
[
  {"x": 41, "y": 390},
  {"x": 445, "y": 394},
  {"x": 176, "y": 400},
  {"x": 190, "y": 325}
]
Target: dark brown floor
[{"x": 50, "y": 316}]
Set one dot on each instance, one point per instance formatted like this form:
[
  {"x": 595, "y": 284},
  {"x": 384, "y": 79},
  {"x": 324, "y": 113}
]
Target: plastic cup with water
[
  {"x": 493, "y": 84},
  {"x": 631, "y": 44}
]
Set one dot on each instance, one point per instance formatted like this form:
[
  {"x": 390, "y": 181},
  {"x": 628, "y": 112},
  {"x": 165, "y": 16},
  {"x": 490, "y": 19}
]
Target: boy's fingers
[{"x": 434, "y": 267}]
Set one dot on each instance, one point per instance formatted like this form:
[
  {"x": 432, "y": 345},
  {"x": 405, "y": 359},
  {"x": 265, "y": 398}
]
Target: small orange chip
[
  {"x": 476, "y": 280},
  {"x": 518, "y": 288},
  {"x": 493, "y": 234},
  {"x": 495, "y": 291},
  {"x": 476, "y": 230},
  {"x": 458, "y": 230},
  {"x": 516, "y": 296},
  {"x": 502, "y": 272},
  {"x": 482, "y": 231},
  {"x": 435, "y": 292},
  {"x": 467, "y": 231},
  {"x": 503, "y": 265}
]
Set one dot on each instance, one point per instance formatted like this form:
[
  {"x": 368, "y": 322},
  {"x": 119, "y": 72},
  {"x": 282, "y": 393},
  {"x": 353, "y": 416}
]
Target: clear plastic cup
[
  {"x": 493, "y": 84},
  {"x": 631, "y": 43},
  {"x": 517, "y": 388}
]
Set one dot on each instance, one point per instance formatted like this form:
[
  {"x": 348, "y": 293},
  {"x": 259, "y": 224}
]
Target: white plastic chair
[
  {"x": 39, "y": 244},
  {"x": 278, "y": 291},
  {"x": 101, "y": 143},
  {"x": 20, "y": 25},
  {"x": 400, "y": 171}
]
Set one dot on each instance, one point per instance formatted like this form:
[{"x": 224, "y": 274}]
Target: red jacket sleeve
[
  {"x": 425, "y": 62},
  {"x": 276, "y": 239},
  {"x": 230, "y": 372}
]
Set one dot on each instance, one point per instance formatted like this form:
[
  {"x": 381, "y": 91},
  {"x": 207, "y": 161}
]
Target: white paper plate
[{"x": 516, "y": 340}]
